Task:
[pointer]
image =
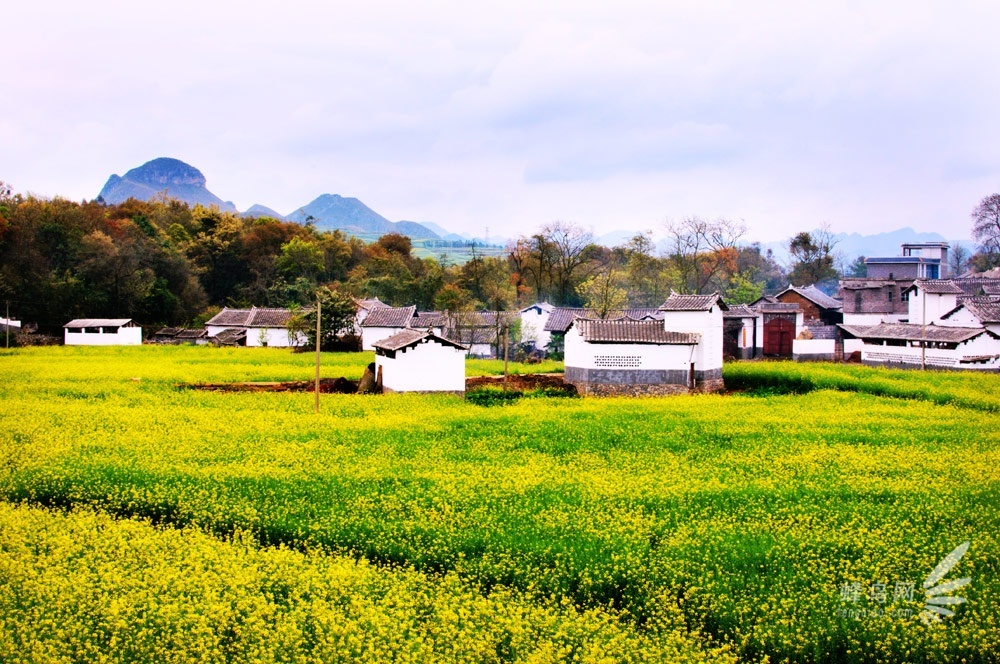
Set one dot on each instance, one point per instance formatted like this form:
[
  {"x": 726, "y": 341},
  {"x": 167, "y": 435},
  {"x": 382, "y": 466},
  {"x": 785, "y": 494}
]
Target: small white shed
[
  {"x": 102, "y": 332},
  {"x": 420, "y": 361}
]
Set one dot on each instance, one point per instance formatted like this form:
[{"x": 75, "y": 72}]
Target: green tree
[
  {"x": 812, "y": 256},
  {"x": 337, "y": 319},
  {"x": 604, "y": 292}
]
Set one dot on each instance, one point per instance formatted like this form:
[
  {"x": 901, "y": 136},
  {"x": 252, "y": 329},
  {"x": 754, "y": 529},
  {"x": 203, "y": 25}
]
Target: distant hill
[
  {"x": 162, "y": 177},
  {"x": 334, "y": 212},
  {"x": 416, "y": 230},
  {"x": 258, "y": 210}
]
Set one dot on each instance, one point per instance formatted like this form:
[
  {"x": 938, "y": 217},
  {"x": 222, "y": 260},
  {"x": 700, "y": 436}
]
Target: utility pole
[
  {"x": 506, "y": 343},
  {"x": 923, "y": 327},
  {"x": 319, "y": 311}
]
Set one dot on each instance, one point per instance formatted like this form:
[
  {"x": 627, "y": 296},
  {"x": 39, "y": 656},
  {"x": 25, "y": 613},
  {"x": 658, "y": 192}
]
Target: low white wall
[
  {"x": 427, "y": 367},
  {"x": 583, "y": 355},
  {"x": 853, "y": 346},
  {"x": 126, "y": 336},
  {"x": 274, "y": 337},
  {"x": 806, "y": 347}
]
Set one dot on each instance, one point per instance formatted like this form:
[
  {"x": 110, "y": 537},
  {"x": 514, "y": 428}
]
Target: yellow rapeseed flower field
[{"x": 795, "y": 521}]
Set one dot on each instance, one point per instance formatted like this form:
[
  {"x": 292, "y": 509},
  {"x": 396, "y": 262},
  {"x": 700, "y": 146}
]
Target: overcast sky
[{"x": 868, "y": 116}]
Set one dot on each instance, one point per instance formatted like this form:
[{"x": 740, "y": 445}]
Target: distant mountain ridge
[
  {"x": 162, "y": 177},
  {"x": 173, "y": 178}
]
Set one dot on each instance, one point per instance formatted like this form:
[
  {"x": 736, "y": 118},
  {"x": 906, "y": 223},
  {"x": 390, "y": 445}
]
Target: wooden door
[{"x": 778, "y": 335}]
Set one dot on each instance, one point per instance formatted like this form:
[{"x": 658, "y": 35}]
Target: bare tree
[
  {"x": 703, "y": 250},
  {"x": 986, "y": 224},
  {"x": 958, "y": 259},
  {"x": 568, "y": 245}
]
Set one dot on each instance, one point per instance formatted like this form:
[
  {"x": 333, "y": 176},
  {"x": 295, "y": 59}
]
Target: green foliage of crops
[
  {"x": 966, "y": 389},
  {"x": 688, "y": 523},
  {"x": 495, "y": 367}
]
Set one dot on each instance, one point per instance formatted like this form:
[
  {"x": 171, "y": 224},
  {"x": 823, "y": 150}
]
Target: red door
[{"x": 778, "y": 335}]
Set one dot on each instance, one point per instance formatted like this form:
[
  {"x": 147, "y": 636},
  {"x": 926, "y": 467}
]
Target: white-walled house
[
  {"x": 383, "y": 322},
  {"x": 533, "y": 321},
  {"x": 680, "y": 353},
  {"x": 974, "y": 312},
  {"x": 928, "y": 301},
  {"x": 419, "y": 361},
  {"x": 364, "y": 307},
  {"x": 102, "y": 332},
  {"x": 260, "y": 326},
  {"x": 906, "y": 345}
]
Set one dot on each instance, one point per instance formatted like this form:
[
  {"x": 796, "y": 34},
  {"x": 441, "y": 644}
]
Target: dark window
[
  {"x": 857, "y": 301},
  {"x": 889, "y": 293}
]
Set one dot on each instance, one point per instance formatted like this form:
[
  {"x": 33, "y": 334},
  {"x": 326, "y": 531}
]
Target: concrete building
[
  {"x": 680, "y": 353},
  {"x": 102, "y": 332},
  {"x": 257, "y": 326},
  {"x": 419, "y": 361}
]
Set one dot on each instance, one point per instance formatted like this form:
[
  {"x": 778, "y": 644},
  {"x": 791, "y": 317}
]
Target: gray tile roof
[
  {"x": 78, "y": 323},
  {"x": 678, "y": 302},
  {"x": 978, "y": 285},
  {"x": 230, "y": 336},
  {"x": 473, "y": 335},
  {"x": 168, "y": 332},
  {"x": 626, "y": 330},
  {"x": 191, "y": 334},
  {"x": 229, "y": 318},
  {"x": 561, "y": 317},
  {"x": 987, "y": 310},
  {"x": 371, "y": 303},
  {"x": 740, "y": 311},
  {"x": 814, "y": 295},
  {"x": 936, "y": 287},
  {"x": 389, "y": 317},
  {"x": 429, "y": 319},
  {"x": 908, "y": 332},
  {"x": 408, "y": 338},
  {"x": 263, "y": 317},
  {"x": 252, "y": 317}
]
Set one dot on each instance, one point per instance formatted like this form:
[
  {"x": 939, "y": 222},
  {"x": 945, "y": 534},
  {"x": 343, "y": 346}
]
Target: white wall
[
  {"x": 426, "y": 367},
  {"x": 274, "y": 337},
  {"x": 937, "y": 306},
  {"x": 806, "y": 347},
  {"x": 935, "y": 357},
  {"x": 126, "y": 336},
  {"x": 533, "y": 327},
  {"x": 709, "y": 325},
  {"x": 650, "y": 357}
]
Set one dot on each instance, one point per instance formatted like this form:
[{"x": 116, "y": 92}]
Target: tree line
[{"x": 166, "y": 263}]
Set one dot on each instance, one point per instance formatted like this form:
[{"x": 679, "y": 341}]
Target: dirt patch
[
  {"x": 523, "y": 382},
  {"x": 326, "y": 385}
]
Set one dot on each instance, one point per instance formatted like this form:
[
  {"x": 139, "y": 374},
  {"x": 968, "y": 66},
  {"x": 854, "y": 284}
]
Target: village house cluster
[{"x": 908, "y": 311}]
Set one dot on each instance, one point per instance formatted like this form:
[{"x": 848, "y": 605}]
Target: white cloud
[{"x": 866, "y": 115}]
